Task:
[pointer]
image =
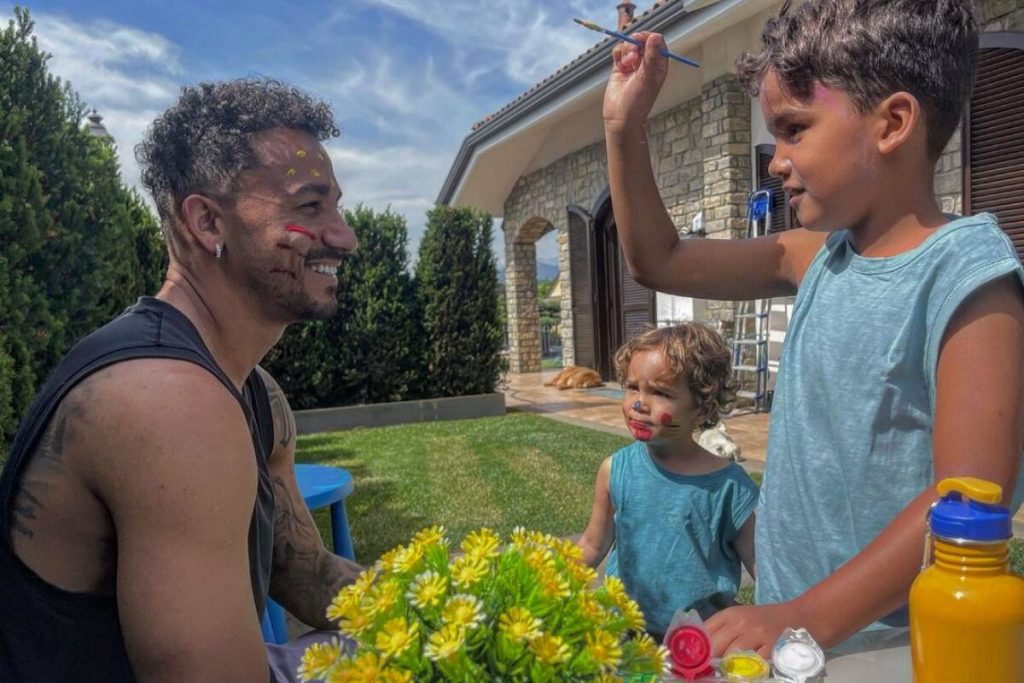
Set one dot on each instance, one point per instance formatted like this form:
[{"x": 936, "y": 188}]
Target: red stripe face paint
[{"x": 291, "y": 227}]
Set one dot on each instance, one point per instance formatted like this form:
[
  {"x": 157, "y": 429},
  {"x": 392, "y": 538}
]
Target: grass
[
  {"x": 501, "y": 472},
  {"x": 551, "y": 363}
]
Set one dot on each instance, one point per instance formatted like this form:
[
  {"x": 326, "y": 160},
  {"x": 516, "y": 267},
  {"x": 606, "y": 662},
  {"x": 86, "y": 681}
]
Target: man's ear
[
  {"x": 899, "y": 120},
  {"x": 202, "y": 218}
]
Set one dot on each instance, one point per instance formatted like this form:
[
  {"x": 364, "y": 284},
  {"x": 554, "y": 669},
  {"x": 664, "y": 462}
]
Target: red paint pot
[{"x": 690, "y": 649}]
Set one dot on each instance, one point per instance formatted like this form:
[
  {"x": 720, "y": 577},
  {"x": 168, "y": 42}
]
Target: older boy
[{"x": 904, "y": 361}]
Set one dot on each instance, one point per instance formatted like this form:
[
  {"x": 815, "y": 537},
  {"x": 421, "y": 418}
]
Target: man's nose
[{"x": 340, "y": 235}]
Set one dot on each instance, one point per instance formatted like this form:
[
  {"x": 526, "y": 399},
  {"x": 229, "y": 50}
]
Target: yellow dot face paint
[
  {"x": 319, "y": 156},
  {"x": 301, "y": 153},
  {"x": 315, "y": 173},
  {"x": 291, "y": 172}
]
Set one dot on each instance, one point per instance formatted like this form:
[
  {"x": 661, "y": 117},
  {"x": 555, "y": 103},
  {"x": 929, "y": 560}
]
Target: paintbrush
[{"x": 622, "y": 36}]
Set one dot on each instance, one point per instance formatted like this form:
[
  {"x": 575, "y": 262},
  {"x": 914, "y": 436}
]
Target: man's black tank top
[{"x": 49, "y": 634}]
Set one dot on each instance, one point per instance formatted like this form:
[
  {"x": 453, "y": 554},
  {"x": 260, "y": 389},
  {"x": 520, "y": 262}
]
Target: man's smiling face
[{"x": 289, "y": 230}]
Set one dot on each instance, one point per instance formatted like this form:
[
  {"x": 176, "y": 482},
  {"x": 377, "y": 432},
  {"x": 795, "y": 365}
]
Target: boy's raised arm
[{"x": 657, "y": 258}]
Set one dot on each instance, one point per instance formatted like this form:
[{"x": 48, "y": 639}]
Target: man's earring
[{"x": 218, "y": 250}]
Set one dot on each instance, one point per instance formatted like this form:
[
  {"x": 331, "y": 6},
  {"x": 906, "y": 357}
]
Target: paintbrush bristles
[{"x": 588, "y": 24}]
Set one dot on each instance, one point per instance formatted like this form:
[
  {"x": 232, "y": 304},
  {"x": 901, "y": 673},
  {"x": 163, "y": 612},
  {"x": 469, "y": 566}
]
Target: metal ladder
[{"x": 750, "y": 333}]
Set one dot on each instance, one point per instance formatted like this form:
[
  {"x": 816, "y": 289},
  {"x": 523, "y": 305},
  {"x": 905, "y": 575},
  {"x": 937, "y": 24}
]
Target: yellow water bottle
[{"x": 966, "y": 608}]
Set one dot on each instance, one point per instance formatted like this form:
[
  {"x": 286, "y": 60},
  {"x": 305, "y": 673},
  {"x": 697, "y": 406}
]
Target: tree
[
  {"x": 457, "y": 290},
  {"x": 78, "y": 246}
]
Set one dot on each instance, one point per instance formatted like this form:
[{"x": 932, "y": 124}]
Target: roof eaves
[{"x": 657, "y": 18}]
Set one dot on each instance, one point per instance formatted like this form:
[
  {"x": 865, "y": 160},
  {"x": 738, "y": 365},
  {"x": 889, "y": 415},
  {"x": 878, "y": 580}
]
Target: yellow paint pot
[{"x": 744, "y": 665}]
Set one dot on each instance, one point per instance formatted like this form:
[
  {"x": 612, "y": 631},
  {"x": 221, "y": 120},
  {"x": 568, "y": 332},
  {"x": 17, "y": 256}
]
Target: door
[{"x": 581, "y": 278}]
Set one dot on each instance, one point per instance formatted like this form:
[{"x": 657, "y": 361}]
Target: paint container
[
  {"x": 966, "y": 607},
  {"x": 744, "y": 665},
  {"x": 797, "y": 658},
  {"x": 689, "y": 646}
]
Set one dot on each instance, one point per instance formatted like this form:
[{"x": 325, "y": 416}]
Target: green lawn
[{"x": 500, "y": 472}]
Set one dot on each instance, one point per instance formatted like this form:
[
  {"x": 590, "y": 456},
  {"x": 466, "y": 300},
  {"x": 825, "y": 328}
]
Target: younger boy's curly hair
[{"x": 696, "y": 354}]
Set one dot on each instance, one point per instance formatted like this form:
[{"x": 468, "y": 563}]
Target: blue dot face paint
[{"x": 637, "y": 405}]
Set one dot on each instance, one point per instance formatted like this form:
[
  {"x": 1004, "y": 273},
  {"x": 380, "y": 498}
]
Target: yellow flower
[
  {"x": 433, "y": 535},
  {"x": 463, "y": 610},
  {"x": 580, "y": 573},
  {"x": 520, "y": 537},
  {"x": 633, "y": 615},
  {"x": 342, "y": 603},
  {"x": 519, "y": 625},
  {"x": 616, "y": 590},
  {"x": 605, "y": 649},
  {"x": 427, "y": 589},
  {"x": 383, "y": 597},
  {"x": 482, "y": 544},
  {"x": 590, "y": 608},
  {"x": 608, "y": 678},
  {"x": 407, "y": 559},
  {"x": 549, "y": 649},
  {"x": 366, "y": 668},
  {"x": 445, "y": 643},
  {"x": 645, "y": 646},
  {"x": 466, "y": 571},
  {"x": 553, "y": 584},
  {"x": 364, "y": 581},
  {"x": 538, "y": 558},
  {"x": 386, "y": 563},
  {"x": 397, "y": 636},
  {"x": 318, "y": 658},
  {"x": 569, "y": 550},
  {"x": 396, "y": 676},
  {"x": 355, "y": 621}
]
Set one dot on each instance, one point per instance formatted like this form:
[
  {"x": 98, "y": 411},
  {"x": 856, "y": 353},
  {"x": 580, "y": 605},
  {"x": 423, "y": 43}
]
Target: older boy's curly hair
[
  {"x": 694, "y": 352},
  {"x": 871, "y": 49},
  {"x": 204, "y": 140}
]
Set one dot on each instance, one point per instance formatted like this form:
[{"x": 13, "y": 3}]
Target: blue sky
[{"x": 406, "y": 78}]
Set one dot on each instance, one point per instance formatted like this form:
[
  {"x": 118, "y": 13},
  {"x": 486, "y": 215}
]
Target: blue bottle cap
[{"x": 962, "y": 518}]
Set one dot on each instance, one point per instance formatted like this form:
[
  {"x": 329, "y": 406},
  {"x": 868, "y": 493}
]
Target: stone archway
[{"x": 524, "y": 351}]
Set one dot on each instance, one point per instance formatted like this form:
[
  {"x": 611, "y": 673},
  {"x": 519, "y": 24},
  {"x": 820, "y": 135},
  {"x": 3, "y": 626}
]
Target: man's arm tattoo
[
  {"x": 305, "y": 576},
  {"x": 45, "y": 464}
]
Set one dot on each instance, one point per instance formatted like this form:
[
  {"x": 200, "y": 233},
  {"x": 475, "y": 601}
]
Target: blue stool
[{"x": 320, "y": 486}]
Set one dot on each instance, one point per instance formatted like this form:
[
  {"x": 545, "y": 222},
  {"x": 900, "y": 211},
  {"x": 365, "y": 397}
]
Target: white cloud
[
  {"x": 520, "y": 37},
  {"x": 128, "y": 75}
]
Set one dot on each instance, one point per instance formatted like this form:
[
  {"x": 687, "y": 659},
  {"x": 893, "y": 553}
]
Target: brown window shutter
[
  {"x": 581, "y": 237},
  {"x": 637, "y": 303},
  {"x": 994, "y": 141}
]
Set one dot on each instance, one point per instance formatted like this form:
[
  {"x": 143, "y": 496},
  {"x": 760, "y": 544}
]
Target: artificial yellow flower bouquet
[{"x": 524, "y": 611}]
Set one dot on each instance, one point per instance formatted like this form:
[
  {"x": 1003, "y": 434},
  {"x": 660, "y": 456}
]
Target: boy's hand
[
  {"x": 751, "y": 628},
  {"x": 635, "y": 82}
]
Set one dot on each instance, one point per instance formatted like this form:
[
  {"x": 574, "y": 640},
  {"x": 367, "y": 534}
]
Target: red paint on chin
[
  {"x": 640, "y": 431},
  {"x": 291, "y": 227}
]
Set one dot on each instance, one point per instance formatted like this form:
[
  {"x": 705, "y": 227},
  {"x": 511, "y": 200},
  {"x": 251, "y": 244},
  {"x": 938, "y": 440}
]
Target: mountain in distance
[{"x": 545, "y": 271}]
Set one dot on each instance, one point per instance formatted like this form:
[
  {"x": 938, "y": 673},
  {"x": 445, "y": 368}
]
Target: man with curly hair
[{"x": 149, "y": 505}]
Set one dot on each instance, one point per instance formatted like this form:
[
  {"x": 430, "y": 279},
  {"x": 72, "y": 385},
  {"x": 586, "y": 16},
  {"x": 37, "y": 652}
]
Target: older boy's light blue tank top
[
  {"x": 674, "y": 534},
  {"x": 850, "y": 442}
]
